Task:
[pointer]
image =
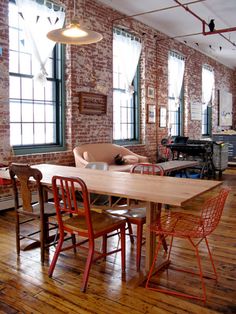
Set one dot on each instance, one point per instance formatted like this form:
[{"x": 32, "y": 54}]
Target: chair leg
[
  {"x": 153, "y": 263},
  {"x": 211, "y": 258},
  {"x": 87, "y": 267},
  {"x": 56, "y": 254},
  {"x": 17, "y": 234},
  {"x": 130, "y": 232},
  {"x": 122, "y": 233},
  {"x": 139, "y": 245},
  {"x": 104, "y": 246},
  {"x": 170, "y": 247},
  {"x": 43, "y": 227},
  {"x": 201, "y": 275},
  {"x": 73, "y": 239}
]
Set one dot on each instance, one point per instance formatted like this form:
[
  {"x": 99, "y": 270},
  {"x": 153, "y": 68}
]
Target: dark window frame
[
  {"x": 180, "y": 109},
  {"x": 136, "y": 109},
  {"x": 208, "y": 114},
  {"x": 59, "y": 145}
]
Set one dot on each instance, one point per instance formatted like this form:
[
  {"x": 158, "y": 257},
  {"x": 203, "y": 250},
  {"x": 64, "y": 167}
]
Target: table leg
[{"x": 153, "y": 214}]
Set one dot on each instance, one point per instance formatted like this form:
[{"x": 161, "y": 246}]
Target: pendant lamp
[{"x": 73, "y": 34}]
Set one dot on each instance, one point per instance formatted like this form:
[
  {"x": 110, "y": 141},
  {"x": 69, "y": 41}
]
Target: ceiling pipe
[
  {"x": 204, "y": 23},
  {"x": 219, "y": 31},
  {"x": 153, "y": 11}
]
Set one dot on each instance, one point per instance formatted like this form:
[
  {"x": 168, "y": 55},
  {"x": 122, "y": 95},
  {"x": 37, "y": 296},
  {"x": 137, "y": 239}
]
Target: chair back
[
  {"x": 20, "y": 174},
  {"x": 66, "y": 203},
  {"x": 97, "y": 165},
  {"x": 212, "y": 211},
  {"x": 145, "y": 168}
]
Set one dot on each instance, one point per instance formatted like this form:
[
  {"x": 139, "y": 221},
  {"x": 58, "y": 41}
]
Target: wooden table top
[{"x": 166, "y": 190}]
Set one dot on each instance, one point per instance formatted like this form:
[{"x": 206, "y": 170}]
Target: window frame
[
  {"x": 209, "y": 110},
  {"x": 180, "y": 110},
  {"x": 136, "y": 108},
  {"x": 59, "y": 145}
]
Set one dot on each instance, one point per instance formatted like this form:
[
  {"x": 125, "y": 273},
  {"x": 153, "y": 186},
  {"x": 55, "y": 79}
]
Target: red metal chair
[
  {"x": 83, "y": 222},
  {"x": 193, "y": 228},
  {"x": 135, "y": 215}
]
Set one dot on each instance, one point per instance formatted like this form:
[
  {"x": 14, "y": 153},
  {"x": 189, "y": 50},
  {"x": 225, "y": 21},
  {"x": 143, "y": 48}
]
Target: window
[
  {"x": 175, "y": 93},
  {"x": 126, "y": 54},
  {"x": 36, "y": 115},
  {"x": 207, "y": 88}
]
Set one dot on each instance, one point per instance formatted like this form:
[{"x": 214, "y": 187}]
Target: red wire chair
[
  {"x": 193, "y": 228},
  {"x": 82, "y": 222},
  {"x": 137, "y": 215}
]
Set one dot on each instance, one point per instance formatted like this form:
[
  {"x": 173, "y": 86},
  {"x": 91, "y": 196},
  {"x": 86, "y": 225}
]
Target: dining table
[{"x": 153, "y": 190}]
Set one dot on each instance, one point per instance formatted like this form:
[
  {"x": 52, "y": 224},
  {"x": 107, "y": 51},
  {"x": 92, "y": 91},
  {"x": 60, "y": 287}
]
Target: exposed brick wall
[{"x": 90, "y": 69}]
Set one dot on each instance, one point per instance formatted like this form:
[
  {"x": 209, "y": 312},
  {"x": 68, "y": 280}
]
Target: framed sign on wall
[
  {"x": 225, "y": 108},
  {"x": 151, "y": 92},
  {"x": 151, "y": 113},
  {"x": 92, "y": 103}
]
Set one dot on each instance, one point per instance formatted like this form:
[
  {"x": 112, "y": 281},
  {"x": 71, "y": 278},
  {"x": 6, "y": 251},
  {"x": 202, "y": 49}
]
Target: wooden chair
[
  {"x": 83, "y": 222},
  {"x": 193, "y": 228},
  {"x": 137, "y": 215},
  {"x": 41, "y": 210}
]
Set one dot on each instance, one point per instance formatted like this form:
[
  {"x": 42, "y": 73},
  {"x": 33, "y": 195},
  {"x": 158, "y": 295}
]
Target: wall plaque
[{"x": 92, "y": 103}]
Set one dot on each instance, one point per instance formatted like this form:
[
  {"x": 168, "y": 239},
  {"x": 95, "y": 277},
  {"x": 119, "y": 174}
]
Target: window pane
[
  {"x": 50, "y": 133},
  {"x": 13, "y": 39},
  {"x": 27, "y": 134},
  {"x": 50, "y": 91},
  {"x": 39, "y": 133},
  {"x": 39, "y": 115},
  {"x": 50, "y": 113},
  {"x": 27, "y": 112},
  {"x": 15, "y": 112},
  {"x": 49, "y": 68},
  {"x": 25, "y": 63},
  {"x": 14, "y": 87},
  {"x": 13, "y": 64},
  {"x": 27, "y": 88},
  {"x": 15, "y": 131},
  {"x": 38, "y": 91}
]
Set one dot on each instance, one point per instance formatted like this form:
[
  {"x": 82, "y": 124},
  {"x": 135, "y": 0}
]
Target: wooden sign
[{"x": 92, "y": 103}]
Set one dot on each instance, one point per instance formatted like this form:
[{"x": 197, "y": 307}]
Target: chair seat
[
  {"x": 49, "y": 209},
  {"x": 130, "y": 213},
  {"x": 180, "y": 225},
  {"x": 101, "y": 223}
]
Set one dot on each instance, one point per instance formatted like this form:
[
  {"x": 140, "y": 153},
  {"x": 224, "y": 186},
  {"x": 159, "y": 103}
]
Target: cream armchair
[{"x": 106, "y": 152}]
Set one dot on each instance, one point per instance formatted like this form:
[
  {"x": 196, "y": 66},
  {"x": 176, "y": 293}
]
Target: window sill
[{"x": 37, "y": 150}]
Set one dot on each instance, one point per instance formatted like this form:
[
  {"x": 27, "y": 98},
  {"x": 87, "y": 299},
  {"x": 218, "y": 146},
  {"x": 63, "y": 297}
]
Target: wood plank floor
[{"x": 26, "y": 288}]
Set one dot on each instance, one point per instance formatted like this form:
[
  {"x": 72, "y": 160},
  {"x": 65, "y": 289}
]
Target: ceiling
[{"x": 173, "y": 20}]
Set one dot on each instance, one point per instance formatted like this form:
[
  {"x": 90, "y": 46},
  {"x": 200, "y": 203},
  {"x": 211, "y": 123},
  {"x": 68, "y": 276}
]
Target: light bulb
[{"x": 74, "y": 31}]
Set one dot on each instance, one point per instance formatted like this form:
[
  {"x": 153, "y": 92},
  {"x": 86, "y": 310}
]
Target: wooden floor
[{"x": 26, "y": 288}]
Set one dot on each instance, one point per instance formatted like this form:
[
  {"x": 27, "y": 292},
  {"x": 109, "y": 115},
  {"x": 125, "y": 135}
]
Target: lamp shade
[{"x": 75, "y": 35}]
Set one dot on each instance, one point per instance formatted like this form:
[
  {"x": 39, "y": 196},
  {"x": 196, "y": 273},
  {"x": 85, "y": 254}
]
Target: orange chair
[
  {"x": 137, "y": 216},
  {"x": 193, "y": 228},
  {"x": 83, "y": 222}
]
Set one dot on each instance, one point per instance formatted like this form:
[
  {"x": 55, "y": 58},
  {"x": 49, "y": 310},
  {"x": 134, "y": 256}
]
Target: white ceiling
[{"x": 177, "y": 21}]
